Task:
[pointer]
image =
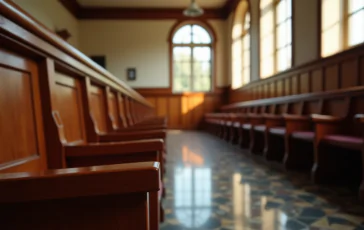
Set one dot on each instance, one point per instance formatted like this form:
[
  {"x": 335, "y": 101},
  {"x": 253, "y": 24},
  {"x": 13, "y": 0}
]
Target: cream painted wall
[
  {"x": 306, "y": 30},
  {"x": 53, "y": 15},
  {"x": 143, "y": 45}
]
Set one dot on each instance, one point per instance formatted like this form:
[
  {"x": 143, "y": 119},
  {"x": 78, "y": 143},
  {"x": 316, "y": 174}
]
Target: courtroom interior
[{"x": 182, "y": 115}]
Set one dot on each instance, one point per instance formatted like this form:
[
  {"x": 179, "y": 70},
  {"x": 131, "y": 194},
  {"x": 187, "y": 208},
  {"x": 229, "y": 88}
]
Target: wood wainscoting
[
  {"x": 343, "y": 70},
  {"x": 184, "y": 110}
]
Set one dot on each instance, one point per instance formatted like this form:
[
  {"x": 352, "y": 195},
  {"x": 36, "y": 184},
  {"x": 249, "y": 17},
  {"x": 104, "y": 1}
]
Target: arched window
[
  {"x": 192, "y": 59},
  {"x": 241, "y": 46},
  {"x": 275, "y": 36},
  {"x": 342, "y": 25}
]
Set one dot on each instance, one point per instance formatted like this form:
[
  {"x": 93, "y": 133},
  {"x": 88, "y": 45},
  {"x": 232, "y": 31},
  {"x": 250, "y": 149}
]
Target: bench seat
[
  {"x": 350, "y": 142},
  {"x": 247, "y": 126},
  {"x": 260, "y": 128},
  {"x": 281, "y": 131},
  {"x": 304, "y": 135}
]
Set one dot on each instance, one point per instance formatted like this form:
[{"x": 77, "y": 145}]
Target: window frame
[
  {"x": 344, "y": 35},
  {"x": 276, "y": 48},
  {"x": 212, "y": 46},
  {"x": 243, "y": 6}
]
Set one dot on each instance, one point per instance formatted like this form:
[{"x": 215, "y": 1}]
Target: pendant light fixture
[{"x": 193, "y": 10}]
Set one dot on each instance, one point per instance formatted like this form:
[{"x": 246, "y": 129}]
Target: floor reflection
[
  {"x": 212, "y": 185},
  {"x": 192, "y": 190}
]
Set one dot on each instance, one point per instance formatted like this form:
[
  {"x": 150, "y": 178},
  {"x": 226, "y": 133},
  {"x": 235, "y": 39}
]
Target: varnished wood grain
[
  {"x": 305, "y": 83},
  {"x": 349, "y": 73},
  {"x": 67, "y": 101},
  {"x": 98, "y": 107},
  {"x": 113, "y": 109},
  {"x": 316, "y": 81},
  {"x": 332, "y": 78},
  {"x": 21, "y": 133}
]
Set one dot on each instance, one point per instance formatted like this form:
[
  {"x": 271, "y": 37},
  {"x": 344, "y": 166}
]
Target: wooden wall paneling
[
  {"x": 266, "y": 90},
  {"x": 349, "y": 73},
  {"x": 174, "y": 108},
  {"x": 280, "y": 88},
  {"x": 162, "y": 106},
  {"x": 332, "y": 77},
  {"x": 66, "y": 99},
  {"x": 21, "y": 133},
  {"x": 361, "y": 70},
  {"x": 113, "y": 108},
  {"x": 98, "y": 107},
  {"x": 272, "y": 89},
  {"x": 122, "y": 112},
  {"x": 261, "y": 91},
  {"x": 185, "y": 112},
  {"x": 287, "y": 86},
  {"x": 196, "y": 104},
  {"x": 295, "y": 85},
  {"x": 317, "y": 80},
  {"x": 305, "y": 84}
]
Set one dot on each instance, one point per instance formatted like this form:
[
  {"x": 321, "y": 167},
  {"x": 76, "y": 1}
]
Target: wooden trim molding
[
  {"x": 95, "y": 13},
  {"x": 167, "y": 92}
]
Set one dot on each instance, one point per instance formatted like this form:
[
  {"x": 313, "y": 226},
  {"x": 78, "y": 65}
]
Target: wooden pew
[
  {"x": 103, "y": 124},
  {"x": 33, "y": 197},
  {"x": 71, "y": 106},
  {"x": 333, "y": 148},
  {"x": 37, "y": 54}
]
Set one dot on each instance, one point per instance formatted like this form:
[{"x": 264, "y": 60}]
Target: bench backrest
[{"x": 21, "y": 122}]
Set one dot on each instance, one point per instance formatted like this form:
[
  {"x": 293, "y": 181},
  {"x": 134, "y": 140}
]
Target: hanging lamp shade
[{"x": 193, "y": 10}]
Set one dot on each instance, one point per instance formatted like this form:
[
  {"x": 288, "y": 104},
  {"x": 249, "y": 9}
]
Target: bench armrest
[
  {"x": 292, "y": 117},
  {"x": 79, "y": 182},
  {"x": 273, "y": 116},
  {"x": 102, "y": 149},
  {"x": 359, "y": 118},
  {"x": 143, "y": 128},
  {"x": 318, "y": 118},
  {"x": 131, "y": 136}
]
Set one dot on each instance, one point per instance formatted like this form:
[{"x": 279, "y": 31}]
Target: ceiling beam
[
  {"x": 72, "y": 6},
  {"x": 91, "y": 13}
]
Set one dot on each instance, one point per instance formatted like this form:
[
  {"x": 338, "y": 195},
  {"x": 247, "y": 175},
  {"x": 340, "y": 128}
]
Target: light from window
[
  {"x": 241, "y": 46},
  {"x": 276, "y": 36},
  {"x": 342, "y": 25},
  {"x": 192, "y": 59}
]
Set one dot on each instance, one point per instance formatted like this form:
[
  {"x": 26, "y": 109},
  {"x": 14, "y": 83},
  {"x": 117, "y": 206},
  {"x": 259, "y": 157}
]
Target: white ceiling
[{"x": 152, "y": 3}]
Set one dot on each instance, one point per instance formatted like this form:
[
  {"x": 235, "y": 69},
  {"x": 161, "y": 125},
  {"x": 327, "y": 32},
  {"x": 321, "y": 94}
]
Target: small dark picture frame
[{"x": 131, "y": 74}]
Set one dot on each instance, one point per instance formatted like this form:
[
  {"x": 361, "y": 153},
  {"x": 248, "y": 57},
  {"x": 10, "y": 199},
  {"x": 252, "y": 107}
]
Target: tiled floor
[{"x": 213, "y": 185}]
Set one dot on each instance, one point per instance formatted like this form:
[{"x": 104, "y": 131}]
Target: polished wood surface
[
  {"x": 21, "y": 132},
  {"x": 98, "y": 109},
  {"x": 184, "y": 111},
  {"x": 67, "y": 102},
  {"x": 88, "y": 189},
  {"x": 340, "y": 71}
]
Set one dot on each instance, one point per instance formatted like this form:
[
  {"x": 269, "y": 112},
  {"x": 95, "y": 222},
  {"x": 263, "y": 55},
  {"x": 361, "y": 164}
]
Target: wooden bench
[
  {"x": 47, "y": 132},
  {"x": 290, "y": 132}
]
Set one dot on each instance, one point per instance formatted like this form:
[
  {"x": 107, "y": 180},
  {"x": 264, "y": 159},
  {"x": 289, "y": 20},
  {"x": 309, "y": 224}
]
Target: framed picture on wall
[{"x": 131, "y": 74}]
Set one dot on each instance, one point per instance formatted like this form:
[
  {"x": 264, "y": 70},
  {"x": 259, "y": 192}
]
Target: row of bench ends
[
  {"x": 321, "y": 132},
  {"x": 79, "y": 148}
]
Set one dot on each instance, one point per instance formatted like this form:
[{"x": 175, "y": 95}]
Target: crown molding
[{"x": 95, "y": 13}]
